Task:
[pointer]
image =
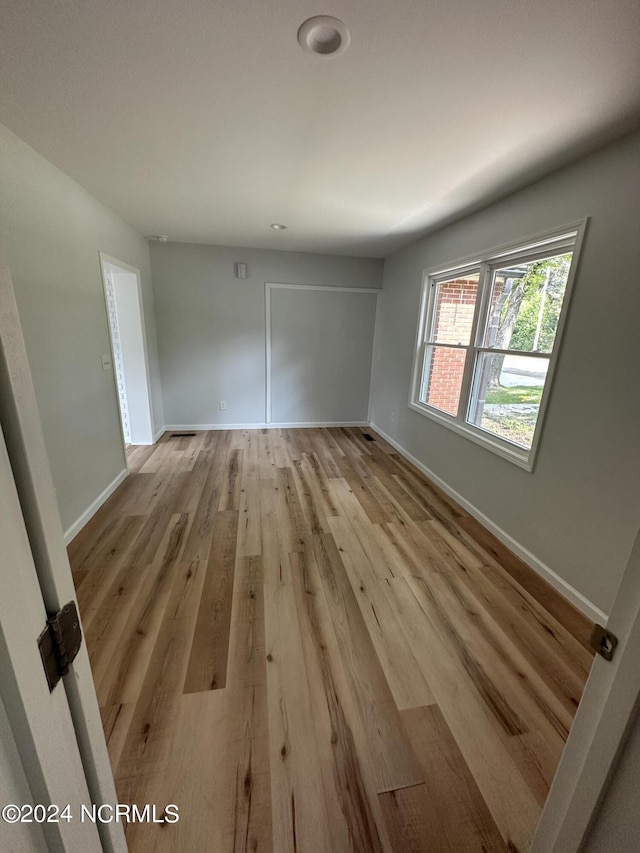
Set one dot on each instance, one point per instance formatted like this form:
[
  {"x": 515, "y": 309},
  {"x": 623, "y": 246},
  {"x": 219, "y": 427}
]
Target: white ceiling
[{"x": 206, "y": 121}]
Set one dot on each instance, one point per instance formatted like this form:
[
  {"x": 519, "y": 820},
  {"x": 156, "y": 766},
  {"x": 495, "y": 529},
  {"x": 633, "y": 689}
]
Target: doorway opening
[{"x": 123, "y": 297}]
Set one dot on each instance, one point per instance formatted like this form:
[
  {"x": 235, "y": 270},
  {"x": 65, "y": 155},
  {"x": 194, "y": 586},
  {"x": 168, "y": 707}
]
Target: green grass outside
[{"x": 515, "y": 394}]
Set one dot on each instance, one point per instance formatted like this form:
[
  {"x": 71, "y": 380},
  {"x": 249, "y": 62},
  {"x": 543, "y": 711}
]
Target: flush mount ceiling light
[
  {"x": 277, "y": 227},
  {"x": 161, "y": 238},
  {"x": 324, "y": 35}
]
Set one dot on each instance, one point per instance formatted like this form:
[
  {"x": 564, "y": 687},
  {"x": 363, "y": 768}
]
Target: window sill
[{"x": 518, "y": 456}]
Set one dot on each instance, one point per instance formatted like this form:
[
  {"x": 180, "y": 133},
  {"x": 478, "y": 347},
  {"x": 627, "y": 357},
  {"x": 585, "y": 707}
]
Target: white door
[
  {"x": 123, "y": 295},
  {"x": 599, "y": 731},
  {"x": 58, "y": 734},
  {"x": 40, "y": 721}
]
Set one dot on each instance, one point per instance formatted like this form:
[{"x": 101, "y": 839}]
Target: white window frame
[{"x": 560, "y": 240}]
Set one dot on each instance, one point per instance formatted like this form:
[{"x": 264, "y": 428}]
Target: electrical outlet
[{"x": 223, "y": 405}]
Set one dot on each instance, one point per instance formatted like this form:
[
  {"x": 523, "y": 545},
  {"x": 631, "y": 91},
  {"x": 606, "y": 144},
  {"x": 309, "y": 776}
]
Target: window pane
[
  {"x": 442, "y": 378},
  {"x": 505, "y": 397},
  {"x": 454, "y": 307},
  {"x": 526, "y": 300}
]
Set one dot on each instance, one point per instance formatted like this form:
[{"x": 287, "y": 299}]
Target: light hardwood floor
[{"x": 307, "y": 647}]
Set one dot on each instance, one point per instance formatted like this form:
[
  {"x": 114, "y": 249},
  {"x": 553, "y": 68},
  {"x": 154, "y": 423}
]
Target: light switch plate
[{"x": 106, "y": 362}]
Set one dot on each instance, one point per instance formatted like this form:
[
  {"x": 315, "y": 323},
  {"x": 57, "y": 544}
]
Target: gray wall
[
  {"x": 321, "y": 349},
  {"x": 579, "y": 510},
  {"x": 52, "y": 231},
  {"x": 211, "y": 326}
]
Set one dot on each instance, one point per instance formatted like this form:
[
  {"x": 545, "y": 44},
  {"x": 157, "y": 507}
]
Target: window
[{"x": 488, "y": 340}]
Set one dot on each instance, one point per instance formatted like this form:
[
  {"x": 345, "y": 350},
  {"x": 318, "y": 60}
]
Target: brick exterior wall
[{"x": 453, "y": 321}]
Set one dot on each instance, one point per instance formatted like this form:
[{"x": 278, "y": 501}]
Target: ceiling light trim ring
[{"x": 324, "y": 35}]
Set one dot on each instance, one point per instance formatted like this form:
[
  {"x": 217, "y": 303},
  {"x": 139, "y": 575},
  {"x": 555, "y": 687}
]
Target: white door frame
[
  {"x": 599, "y": 730},
  {"x": 30, "y": 466},
  {"x": 40, "y": 721},
  {"x": 108, "y": 259}
]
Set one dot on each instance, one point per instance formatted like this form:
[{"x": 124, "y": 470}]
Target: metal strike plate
[{"x": 603, "y": 641}]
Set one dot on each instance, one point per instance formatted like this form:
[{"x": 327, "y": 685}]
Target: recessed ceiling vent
[{"x": 324, "y": 35}]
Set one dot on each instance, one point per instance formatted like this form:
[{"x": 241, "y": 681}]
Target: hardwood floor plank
[
  {"x": 247, "y": 655},
  {"x": 225, "y": 804},
  {"x": 292, "y": 505},
  {"x": 324, "y": 453},
  {"x": 499, "y": 591},
  {"x": 394, "y": 485},
  {"x": 207, "y": 669},
  {"x": 190, "y": 447},
  {"x": 153, "y": 530},
  {"x": 314, "y": 519},
  {"x": 558, "y": 607},
  {"x": 343, "y": 438},
  {"x": 447, "y": 511},
  {"x": 146, "y": 687},
  {"x": 107, "y": 561},
  {"x": 190, "y": 485},
  {"x": 279, "y": 448},
  {"x": 308, "y": 647},
  {"x": 447, "y": 813},
  {"x": 349, "y": 783},
  {"x": 473, "y": 628},
  {"x": 199, "y": 542},
  {"x": 381, "y": 558},
  {"x": 299, "y": 809},
  {"x": 79, "y": 577},
  {"x": 183, "y": 604},
  {"x": 145, "y": 755},
  {"x": 518, "y": 698},
  {"x": 249, "y": 527},
  {"x": 139, "y": 493},
  {"x": 230, "y": 491},
  {"x": 509, "y": 798},
  {"x": 346, "y": 503},
  {"x": 279, "y": 536},
  {"x": 322, "y": 503},
  {"x": 404, "y": 676},
  {"x": 363, "y": 493},
  {"x": 119, "y": 680},
  {"x": 160, "y": 458},
  {"x": 102, "y": 633},
  {"x": 395, "y": 764},
  {"x": 137, "y": 455},
  {"x": 548, "y": 647},
  {"x": 107, "y": 543},
  {"x": 116, "y": 720}
]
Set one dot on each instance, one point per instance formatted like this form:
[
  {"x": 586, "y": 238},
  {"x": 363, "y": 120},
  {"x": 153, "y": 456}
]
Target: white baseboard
[
  {"x": 88, "y": 514},
  {"x": 159, "y": 434},
  {"x": 319, "y": 424},
  {"x": 200, "y": 427},
  {"x": 565, "y": 589}
]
